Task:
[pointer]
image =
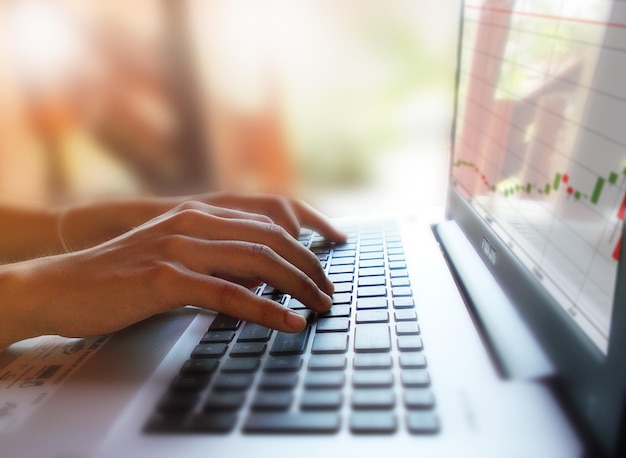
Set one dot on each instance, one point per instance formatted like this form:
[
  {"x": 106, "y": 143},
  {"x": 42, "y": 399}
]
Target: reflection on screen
[{"x": 540, "y": 147}]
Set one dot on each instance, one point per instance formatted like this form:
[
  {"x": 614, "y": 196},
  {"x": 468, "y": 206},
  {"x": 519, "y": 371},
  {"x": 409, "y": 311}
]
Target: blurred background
[{"x": 344, "y": 103}]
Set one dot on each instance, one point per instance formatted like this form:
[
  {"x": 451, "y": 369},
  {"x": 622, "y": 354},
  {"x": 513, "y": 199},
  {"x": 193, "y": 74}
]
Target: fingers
[
  {"x": 201, "y": 226},
  {"x": 311, "y": 218},
  {"x": 252, "y": 261},
  {"x": 222, "y": 296},
  {"x": 291, "y": 214},
  {"x": 223, "y": 212},
  {"x": 208, "y": 227}
]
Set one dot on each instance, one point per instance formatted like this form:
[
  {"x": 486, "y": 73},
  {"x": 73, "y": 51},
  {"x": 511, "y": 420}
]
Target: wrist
[
  {"x": 86, "y": 225},
  {"x": 18, "y": 312}
]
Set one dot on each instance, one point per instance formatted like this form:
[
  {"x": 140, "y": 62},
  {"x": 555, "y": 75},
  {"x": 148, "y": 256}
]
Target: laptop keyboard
[{"x": 360, "y": 367}]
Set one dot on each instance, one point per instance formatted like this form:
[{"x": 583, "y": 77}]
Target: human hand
[
  {"x": 90, "y": 224},
  {"x": 194, "y": 254}
]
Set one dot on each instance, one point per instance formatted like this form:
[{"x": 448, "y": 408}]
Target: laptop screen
[{"x": 540, "y": 144}]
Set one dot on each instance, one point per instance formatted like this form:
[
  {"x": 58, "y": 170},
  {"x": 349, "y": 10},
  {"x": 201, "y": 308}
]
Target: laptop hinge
[{"x": 511, "y": 341}]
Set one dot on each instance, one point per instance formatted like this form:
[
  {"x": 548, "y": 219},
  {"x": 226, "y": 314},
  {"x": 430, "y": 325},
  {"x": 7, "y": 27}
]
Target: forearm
[{"x": 27, "y": 231}]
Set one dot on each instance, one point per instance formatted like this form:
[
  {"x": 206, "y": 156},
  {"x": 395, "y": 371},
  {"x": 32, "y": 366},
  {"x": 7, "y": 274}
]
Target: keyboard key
[
  {"x": 248, "y": 349},
  {"x": 372, "y": 338},
  {"x": 372, "y": 316},
  {"x": 233, "y": 382},
  {"x": 321, "y": 400},
  {"x": 224, "y": 322},
  {"x": 341, "y": 278},
  {"x": 330, "y": 343},
  {"x": 253, "y": 332},
  {"x": 213, "y": 350},
  {"x": 272, "y": 400},
  {"x": 375, "y": 240},
  {"x": 295, "y": 304},
  {"x": 342, "y": 261},
  {"x": 414, "y": 378},
  {"x": 395, "y": 257},
  {"x": 397, "y": 273},
  {"x": 379, "y": 280},
  {"x": 283, "y": 364},
  {"x": 407, "y": 328},
  {"x": 373, "y": 422},
  {"x": 345, "y": 246},
  {"x": 372, "y": 379},
  {"x": 323, "y": 257},
  {"x": 214, "y": 422},
  {"x": 372, "y": 272},
  {"x": 371, "y": 291},
  {"x": 344, "y": 254},
  {"x": 341, "y": 269},
  {"x": 373, "y": 398},
  {"x": 333, "y": 325},
  {"x": 286, "y": 343},
  {"x": 372, "y": 361},
  {"x": 372, "y": 255},
  {"x": 400, "y": 303},
  {"x": 371, "y": 303},
  {"x": 288, "y": 422},
  {"x": 397, "y": 265},
  {"x": 278, "y": 381},
  {"x": 338, "y": 311},
  {"x": 194, "y": 382},
  {"x": 402, "y": 294},
  {"x": 422, "y": 422},
  {"x": 217, "y": 337},
  {"x": 412, "y": 361},
  {"x": 241, "y": 365},
  {"x": 343, "y": 288},
  {"x": 327, "y": 362},
  {"x": 402, "y": 281},
  {"x": 324, "y": 380},
  {"x": 374, "y": 248},
  {"x": 365, "y": 263},
  {"x": 178, "y": 402},
  {"x": 342, "y": 298},
  {"x": 224, "y": 401},
  {"x": 416, "y": 398},
  {"x": 410, "y": 343},
  {"x": 405, "y": 315}
]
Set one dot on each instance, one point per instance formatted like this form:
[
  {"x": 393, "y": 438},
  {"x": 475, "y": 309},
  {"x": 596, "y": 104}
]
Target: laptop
[{"x": 497, "y": 328}]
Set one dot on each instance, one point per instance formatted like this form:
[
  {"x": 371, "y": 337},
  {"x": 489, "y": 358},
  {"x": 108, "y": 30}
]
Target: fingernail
[{"x": 294, "y": 321}]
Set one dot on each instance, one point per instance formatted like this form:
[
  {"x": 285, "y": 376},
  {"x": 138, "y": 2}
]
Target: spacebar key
[{"x": 284, "y": 422}]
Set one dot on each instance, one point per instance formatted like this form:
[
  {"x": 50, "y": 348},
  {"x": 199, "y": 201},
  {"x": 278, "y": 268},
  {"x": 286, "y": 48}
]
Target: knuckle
[
  {"x": 267, "y": 312},
  {"x": 171, "y": 245},
  {"x": 305, "y": 283},
  {"x": 275, "y": 231},
  {"x": 185, "y": 218},
  {"x": 259, "y": 250},
  {"x": 227, "y": 293},
  {"x": 188, "y": 205},
  {"x": 163, "y": 276},
  {"x": 264, "y": 219}
]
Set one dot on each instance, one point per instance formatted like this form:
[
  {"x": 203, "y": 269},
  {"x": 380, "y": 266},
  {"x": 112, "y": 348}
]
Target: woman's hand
[
  {"x": 87, "y": 225},
  {"x": 194, "y": 254}
]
